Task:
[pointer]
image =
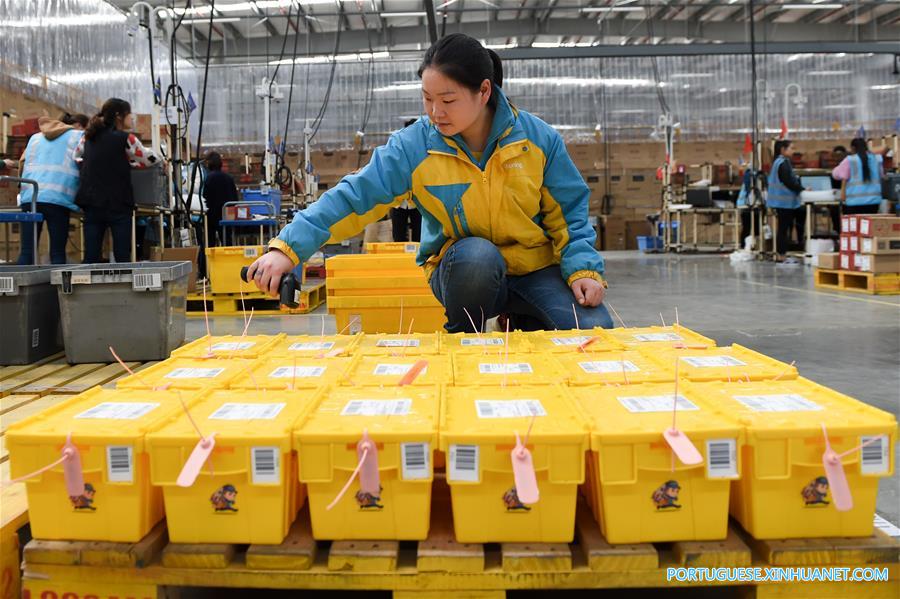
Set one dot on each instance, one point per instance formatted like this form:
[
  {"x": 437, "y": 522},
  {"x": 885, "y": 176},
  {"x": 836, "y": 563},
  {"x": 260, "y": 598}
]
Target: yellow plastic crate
[
  {"x": 108, "y": 427},
  {"x": 365, "y": 265},
  {"x": 732, "y": 363},
  {"x": 660, "y": 337},
  {"x": 387, "y": 371},
  {"x": 315, "y": 346},
  {"x": 187, "y": 374},
  {"x": 612, "y": 368},
  {"x": 228, "y": 346},
  {"x": 393, "y": 247},
  {"x": 381, "y": 313},
  {"x": 403, "y": 423},
  {"x": 501, "y": 369},
  {"x": 478, "y": 434},
  {"x": 413, "y": 283},
  {"x": 414, "y": 344},
  {"x": 781, "y": 494},
  {"x": 639, "y": 491},
  {"x": 485, "y": 343},
  {"x": 224, "y": 267},
  {"x": 564, "y": 342},
  {"x": 288, "y": 372},
  {"x": 247, "y": 491}
]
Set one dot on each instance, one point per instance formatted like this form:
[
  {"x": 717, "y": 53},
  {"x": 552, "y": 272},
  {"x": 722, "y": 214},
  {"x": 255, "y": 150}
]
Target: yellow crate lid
[
  {"x": 244, "y": 251},
  {"x": 387, "y": 371},
  {"x": 370, "y": 262},
  {"x": 311, "y": 346},
  {"x": 791, "y": 408},
  {"x": 286, "y": 372},
  {"x": 481, "y": 415},
  {"x": 100, "y": 416},
  {"x": 407, "y": 344},
  {"x": 570, "y": 341},
  {"x": 641, "y": 413},
  {"x": 388, "y": 413},
  {"x": 732, "y": 363},
  {"x": 187, "y": 373},
  {"x": 501, "y": 369},
  {"x": 484, "y": 343},
  {"x": 669, "y": 336},
  {"x": 228, "y": 346},
  {"x": 612, "y": 368},
  {"x": 238, "y": 418}
]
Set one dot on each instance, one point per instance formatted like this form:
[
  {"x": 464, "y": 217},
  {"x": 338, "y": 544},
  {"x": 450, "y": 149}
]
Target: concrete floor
[{"x": 847, "y": 341}]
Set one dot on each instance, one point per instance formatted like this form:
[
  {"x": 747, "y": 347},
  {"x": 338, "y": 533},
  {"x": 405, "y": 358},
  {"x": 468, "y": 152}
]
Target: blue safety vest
[
  {"x": 864, "y": 193},
  {"x": 779, "y": 196},
  {"x": 52, "y": 164}
]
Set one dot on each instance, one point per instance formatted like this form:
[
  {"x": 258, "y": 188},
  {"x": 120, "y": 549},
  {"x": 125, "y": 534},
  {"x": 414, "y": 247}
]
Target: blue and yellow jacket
[{"x": 524, "y": 195}]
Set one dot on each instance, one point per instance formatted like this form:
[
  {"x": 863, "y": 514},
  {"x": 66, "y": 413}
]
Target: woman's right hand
[{"x": 267, "y": 270}]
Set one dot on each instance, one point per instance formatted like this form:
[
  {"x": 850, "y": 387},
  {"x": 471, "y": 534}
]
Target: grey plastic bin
[
  {"x": 29, "y": 315},
  {"x": 137, "y": 308},
  {"x": 149, "y": 186}
]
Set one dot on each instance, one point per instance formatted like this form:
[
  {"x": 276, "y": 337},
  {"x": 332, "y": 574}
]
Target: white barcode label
[
  {"x": 311, "y": 346},
  {"x": 233, "y": 345},
  {"x": 251, "y": 252},
  {"x": 862, "y": 262},
  {"x": 481, "y": 341},
  {"x": 414, "y": 457},
  {"x": 463, "y": 463},
  {"x": 658, "y": 337},
  {"x": 608, "y": 366},
  {"x": 113, "y": 410},
  {"x": 119, "y": 464},
  {"x": 784, "y": 402},
  {"x": 146, "y": 280},
  {"x": 854, "y": 244},
  {"x": 377, "y": 407},
  {"x": 510, "y": 368},
  {"x": 195, "y": 373},
  {"x": 516, "y": 408},
  {"x": 6, "y": 285},
  {"x": 721, "y": 458},
  {"x": 35, "y": 337},
  {"x": 410, "y": 248},
  {"x": 286, "y": 372},
  {"x": 712, "y": 361},
  {"x": 266, "y": 465},
  {"x": 394, "y": 369},
  {"x": 397, "y": 343},
  {"x": 875, "y": 458},
  {"x": 570, "y": 340},
  {"x": 867, "y": 245},
  {"x": 247, "y": 411},
  {"x": 845, "y": 244},
  {"x": 656, "y": 403},
  {"x": 863, "y": 225}
]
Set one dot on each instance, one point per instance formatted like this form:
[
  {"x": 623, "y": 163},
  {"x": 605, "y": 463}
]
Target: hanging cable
[
  {"x": 202, "y": 109},
  {"x": 321, "y": 115}
]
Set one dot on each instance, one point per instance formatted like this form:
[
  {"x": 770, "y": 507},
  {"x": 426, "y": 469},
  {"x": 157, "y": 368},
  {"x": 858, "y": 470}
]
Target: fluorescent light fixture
[
  {"x": 206, "y": 21},
  {"x": 399, "y": 87},
  {"x": 388, "y": 15},
  {"x": 323, "y": 58},
  {"x": 588, "y": 9},
  {"x": 501, "y": 46},
  {"x": 722, "y": 90},
  {"x": 794, "y": 57},
  {"x": 829, "y": 73},
  {"x": 734, "y": 109},
  {"x": 72, "y": 21},
  {"x": 579, "y": 82},
  {"x": 811, "y": 6},
  {"x": 690, "y": 75},
  {"x": 839, "y": 106},
  {"x": 630, "y": 111},
  {"x": 884, "y": 87}
]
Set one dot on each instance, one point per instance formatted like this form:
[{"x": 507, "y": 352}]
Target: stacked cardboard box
[{"x": 869, "y": 243}]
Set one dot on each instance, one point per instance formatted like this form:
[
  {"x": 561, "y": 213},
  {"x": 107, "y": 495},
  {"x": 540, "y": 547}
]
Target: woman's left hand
[{"x": 588, "y": 292}]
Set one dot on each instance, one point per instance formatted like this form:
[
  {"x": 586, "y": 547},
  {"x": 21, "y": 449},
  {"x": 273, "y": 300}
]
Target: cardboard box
[
  {"x": 634, "y": 229},
  {"x": 877, "y": 263},
  {"x": 879, "y": 245},
  {"x": 879, "y": 226},
  {"x": 614, "y": 233},
  {"x": 9, "y": 191},
  {"x": 830, "y": 261},
  {"x": 187, "y": 254},
  {"x": 847, "y": 261}
]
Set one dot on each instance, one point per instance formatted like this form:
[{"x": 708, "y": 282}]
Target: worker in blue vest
[
  {"x": 49, "y": 160},
  {"x": 862, "y": 171},
  {"x": 784, "y": 196}
]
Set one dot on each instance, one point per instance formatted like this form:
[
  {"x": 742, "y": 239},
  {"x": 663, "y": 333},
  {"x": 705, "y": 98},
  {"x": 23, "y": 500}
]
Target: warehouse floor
[{"x": 847, "y": 341}]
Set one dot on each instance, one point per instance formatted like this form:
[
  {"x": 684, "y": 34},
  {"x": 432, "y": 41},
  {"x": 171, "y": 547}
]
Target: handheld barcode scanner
[{"x": 288, "y": 288}]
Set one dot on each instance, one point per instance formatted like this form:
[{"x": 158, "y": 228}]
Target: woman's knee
[{"x": 476, "y": 260}]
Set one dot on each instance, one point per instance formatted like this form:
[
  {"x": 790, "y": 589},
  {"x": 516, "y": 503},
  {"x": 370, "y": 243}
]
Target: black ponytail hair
[
  {"x": 106, "y": 118},
  {"x": 466, "y": 61},
  {"x": 862, "y": 150}
]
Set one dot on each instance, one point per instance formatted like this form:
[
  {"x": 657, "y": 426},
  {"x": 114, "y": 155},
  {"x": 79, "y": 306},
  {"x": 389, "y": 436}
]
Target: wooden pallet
[
  {"x": 312, "y": 295},
  {"x": 859, "y": 282}
]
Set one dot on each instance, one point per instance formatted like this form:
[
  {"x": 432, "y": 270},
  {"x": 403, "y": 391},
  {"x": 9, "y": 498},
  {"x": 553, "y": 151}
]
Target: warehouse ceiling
[{"x": 254, "y": 31}]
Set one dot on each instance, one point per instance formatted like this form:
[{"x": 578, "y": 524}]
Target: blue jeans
[
  {"x": 472, "y": 276},
  {"x": 57, "y": 219},
  {"x": 96, "y": 222}
]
